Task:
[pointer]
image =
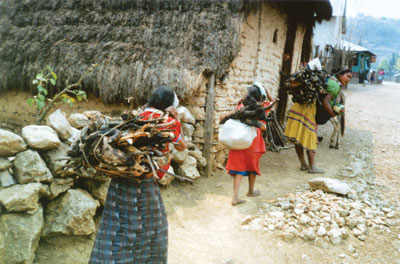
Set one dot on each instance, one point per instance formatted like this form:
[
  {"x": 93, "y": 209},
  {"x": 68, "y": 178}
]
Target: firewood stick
[{"x": 177, "y": 176}]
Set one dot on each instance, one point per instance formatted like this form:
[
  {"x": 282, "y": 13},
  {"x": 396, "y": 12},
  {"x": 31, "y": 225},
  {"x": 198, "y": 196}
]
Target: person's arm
[
  {"x": 180, "y": 144},
  {"x": 270, "y": 98},
  {"x": 327, "y": 106}
]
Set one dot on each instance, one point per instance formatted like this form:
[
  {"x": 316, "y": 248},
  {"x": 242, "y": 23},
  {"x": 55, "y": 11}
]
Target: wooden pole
[{"x": 209, "y": 125}]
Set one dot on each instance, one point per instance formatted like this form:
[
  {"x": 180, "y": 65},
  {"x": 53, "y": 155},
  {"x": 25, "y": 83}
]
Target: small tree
[
  {"x": 384, "y": 64},
  {"x": 397, "y": 66},
  {"x": 44, "y": 81}
]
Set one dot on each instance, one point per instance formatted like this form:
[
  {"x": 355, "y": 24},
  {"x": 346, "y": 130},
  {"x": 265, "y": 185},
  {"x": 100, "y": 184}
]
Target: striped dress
[
  {"x": 133, "y": 227},
  {"x": 301, "y": 127}
]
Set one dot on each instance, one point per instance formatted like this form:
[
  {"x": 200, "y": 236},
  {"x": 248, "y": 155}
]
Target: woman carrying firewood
[
  {"x": 133, "y": 227},
  {"x": 303, "y": 120},
  {"x": 246, "y": 162}
]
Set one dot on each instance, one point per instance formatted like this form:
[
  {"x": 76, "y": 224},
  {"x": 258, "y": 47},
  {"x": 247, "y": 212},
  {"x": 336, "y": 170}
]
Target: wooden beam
[{"x": 209, "y": 125}]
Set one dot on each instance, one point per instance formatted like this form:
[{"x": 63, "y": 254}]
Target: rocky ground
[{"x": 291, "y": 223}]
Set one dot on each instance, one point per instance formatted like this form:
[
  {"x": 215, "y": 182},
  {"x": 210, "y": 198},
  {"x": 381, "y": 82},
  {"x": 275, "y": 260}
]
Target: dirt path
[{"x": 205, "y": 228}]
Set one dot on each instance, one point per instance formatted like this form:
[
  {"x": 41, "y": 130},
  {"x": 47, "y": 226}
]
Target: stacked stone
[
  {"x": 187, "y": 163},
  {"x": 321, "y": 217},
  {"x": 40, "y": 199},
  {"x": 36, "y": 196}
]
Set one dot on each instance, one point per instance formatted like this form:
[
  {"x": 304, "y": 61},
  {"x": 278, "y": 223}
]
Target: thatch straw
[{"x": 139, "y": 45}]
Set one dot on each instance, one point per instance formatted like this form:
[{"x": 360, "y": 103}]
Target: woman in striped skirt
[{"x": 134, "y": 227}]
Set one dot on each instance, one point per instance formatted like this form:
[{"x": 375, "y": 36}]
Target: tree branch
[{"x": 66, "y": 89}]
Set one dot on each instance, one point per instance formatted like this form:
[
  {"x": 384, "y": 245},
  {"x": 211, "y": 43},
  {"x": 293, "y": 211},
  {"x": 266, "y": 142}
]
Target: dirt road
[{"x": 205, "y": 228}]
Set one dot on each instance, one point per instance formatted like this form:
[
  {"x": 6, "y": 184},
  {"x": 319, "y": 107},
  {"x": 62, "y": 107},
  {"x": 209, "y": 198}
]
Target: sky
[{"x": 376, "y": 8}]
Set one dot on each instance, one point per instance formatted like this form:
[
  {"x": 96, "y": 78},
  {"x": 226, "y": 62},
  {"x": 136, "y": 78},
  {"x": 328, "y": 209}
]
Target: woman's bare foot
[
  {"x": 316, "y": 170},
  {"x": 254, "y": 193},
  {"x": 237, "y": 201},
  {"x": 304, "y": 167}
]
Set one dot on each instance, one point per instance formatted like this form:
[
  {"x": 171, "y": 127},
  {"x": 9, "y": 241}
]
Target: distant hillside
[{"x": 380, "y": 35}]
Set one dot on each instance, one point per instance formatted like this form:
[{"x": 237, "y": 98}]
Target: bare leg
[
  {"x": 335, "y": 133},
  {"x": 252, "y": 182},
  {"x": 236, "y": 185},
  {"x": 300, "y": 155},
  {"x": 311, "y": 161}
]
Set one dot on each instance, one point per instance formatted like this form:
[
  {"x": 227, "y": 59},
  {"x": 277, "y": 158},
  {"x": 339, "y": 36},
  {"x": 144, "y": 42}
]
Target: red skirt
[{"x": 247, "y": 160}]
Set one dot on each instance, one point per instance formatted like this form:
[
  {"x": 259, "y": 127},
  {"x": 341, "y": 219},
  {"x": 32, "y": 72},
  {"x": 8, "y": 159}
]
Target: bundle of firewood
[
  {"x": 252, "y": 113},
  {"x": 127, "y": 148},
  {"x": 273, "y": 135},
  {"x": 306, "y": 86}
]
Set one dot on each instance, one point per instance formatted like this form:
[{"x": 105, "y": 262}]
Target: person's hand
[{"x": 172, "y": 111}]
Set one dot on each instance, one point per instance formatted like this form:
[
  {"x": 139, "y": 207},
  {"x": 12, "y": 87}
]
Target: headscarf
[
  {"x": 260, "y": 87},
  {"x": 340, "y": 71}
]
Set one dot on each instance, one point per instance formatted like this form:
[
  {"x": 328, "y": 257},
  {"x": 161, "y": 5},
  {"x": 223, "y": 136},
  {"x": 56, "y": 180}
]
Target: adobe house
[{"x": 208, "y": 51}]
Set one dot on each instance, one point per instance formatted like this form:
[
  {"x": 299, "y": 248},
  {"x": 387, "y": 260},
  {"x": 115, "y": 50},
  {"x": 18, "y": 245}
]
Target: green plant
[{"x": 44, "y": 81}]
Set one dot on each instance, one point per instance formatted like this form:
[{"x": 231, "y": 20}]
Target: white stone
[
  {"x": 23, "y": 197},
  {"x": 78, "y": 120},
  {"x": 362, "y": 237},
  {"x": 276, "y": 214},
  {"x": 6, "y": 179},
  {"x": 75, "y": 133},
  {"x": 329, "y": 185},
  {"x": 179, "y": 156},
  {"x": 321, "y": 231},
  {"x": 357, "y": 232},
  {"x": 308, "y": 235},
  {"x": 187, "y": 130},
  {"x": 29, "y": 167},
  {"x": 185, "y": 116},
  {"x": 5, "y": 164},
  {"x": 298, "y": 211},
  {"x": 305, "y": 220},
  {"x": 71, "y": 214},
  {"x": 40, "y": 137},
  {"x": 59, "y": 123},
  {"x": 335, "y": 236},
  {"x": 10, "y": 143},
  {"x": 55, "y": 164},
  {"x": 19, "y": 236},
  {"x": 59, "y": 186},
  {"x": 188, "y": 168},
  {"x": 351, "y": 248}
]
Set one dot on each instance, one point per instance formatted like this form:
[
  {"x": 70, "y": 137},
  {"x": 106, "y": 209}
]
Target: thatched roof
[{"x": 139, "y": 45}]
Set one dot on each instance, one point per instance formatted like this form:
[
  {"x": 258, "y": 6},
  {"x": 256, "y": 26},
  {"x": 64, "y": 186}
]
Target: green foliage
[
  {"x": 384, "y": 64},
  {"x": 390, "y": 65},
  {"x": 45, "y": 81},
  {"x": 397, "y": 66}
]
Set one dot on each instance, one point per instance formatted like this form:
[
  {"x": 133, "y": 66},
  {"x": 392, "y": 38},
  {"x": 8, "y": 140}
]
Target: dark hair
[
  {"x": 253, "y": 96},
  {"x": 340, "y": 71},
  {"x": 161, "y": 98}
]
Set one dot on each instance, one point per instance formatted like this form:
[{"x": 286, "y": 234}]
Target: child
[{"x": 246, "y": 162}]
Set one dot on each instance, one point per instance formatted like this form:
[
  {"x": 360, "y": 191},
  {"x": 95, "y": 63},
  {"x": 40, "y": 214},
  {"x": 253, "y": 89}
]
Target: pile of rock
[
  {"x": 40, "y": 199},
  {"x": 321, "y": 217}
]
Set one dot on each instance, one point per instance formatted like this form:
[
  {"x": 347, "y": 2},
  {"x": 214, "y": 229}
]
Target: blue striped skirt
[{"x": 133, "y": 227}]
